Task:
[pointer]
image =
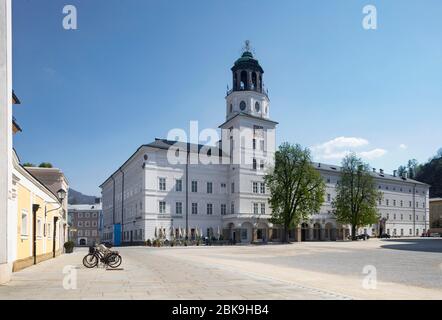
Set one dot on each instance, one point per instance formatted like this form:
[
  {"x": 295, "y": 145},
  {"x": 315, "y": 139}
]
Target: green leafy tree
[
  {"x": 28, "y": 164},
  {"x": 45, "y": 165},
  {"x": 356, "y": 198},
  {"x": 296, "y": 187}
]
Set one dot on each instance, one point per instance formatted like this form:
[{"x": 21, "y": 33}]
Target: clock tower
[{"x": 251, "y": 137}]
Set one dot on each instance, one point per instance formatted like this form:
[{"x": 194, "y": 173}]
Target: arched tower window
[
  {"x": 242, "y": 106},
  {"x": 231, "y": 108},
  {"x": 244, "y": 80},
  {"x": 257, "y": 106},
  {"x": 254, "y": 81}
]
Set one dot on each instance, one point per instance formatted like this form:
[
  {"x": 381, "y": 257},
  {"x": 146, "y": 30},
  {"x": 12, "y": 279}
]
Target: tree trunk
[
  {"x": 353, "y": 232},
  {"x": 285, "y": 236}
]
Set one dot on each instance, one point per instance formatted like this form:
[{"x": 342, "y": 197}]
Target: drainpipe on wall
[
  {"x": 187, "y": 192},
  {"x": 414, "y": 208},
  {"x": 122, "y": 205},
  {"x": 113, "y": 203}
]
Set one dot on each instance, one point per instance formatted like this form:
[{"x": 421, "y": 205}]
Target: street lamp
[{"x": 61, "y": 195}]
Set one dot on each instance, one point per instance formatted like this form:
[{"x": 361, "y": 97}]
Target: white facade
[
  {"x": 6, "y": 140},
  {"x": 149, "y": 196}
]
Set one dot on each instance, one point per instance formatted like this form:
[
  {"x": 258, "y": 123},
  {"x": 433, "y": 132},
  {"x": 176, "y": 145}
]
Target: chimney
[
  {"x": 394, "y": 173},
  {"x": 319, "y": 165},
  {"x": 374, "y": 170},
  {"x": 381, "y": 171}
]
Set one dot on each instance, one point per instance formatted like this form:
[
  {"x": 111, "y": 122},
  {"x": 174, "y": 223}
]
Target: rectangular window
[
  {"x": 80, "y": 215},
  {"x": 261, "y": 144},
  {"x": 194, "y": 186},
  {"x": 232, "y": 208},
  {"x": 255, "y": 187},
  {"x": 209, "y": 187},
  {"x": 39, "y": 228},
  {"x": 87, "y": 215},
  {"x": 94, "y": 223},
  {"x": 255, "y": 208},
  {"x": 162, "y": 207},
  {"x": 254, "y": 164},
  {"x": 179, "y": 185},
  {"x": 223, "y": 210},
  {"x": 233, "y": 187},
  {"x": 80, "y": 223},
  {"x": 24, "y": 223},
  {"x": 402, "y": 203},
  {"x": 162, "y": 184},
  {"x": 263, "y": 208},
  {"x": 387, "y": 202},
  {"x": 328, "y": 197},
  {"x": 263, "y": 188},
  {"x": 179, "y": 208},
  {"x": 194, "y": 208},
  {"x": 394, "y": 203},
  {"x": 209, "y": 209},
  {"x": 254, "y": 144},
  {"x": 261, "y": 164}
]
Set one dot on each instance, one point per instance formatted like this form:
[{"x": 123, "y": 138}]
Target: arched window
[
  {"x": 257, "y": 106},
  {"x": 242, "y": 106},
  {"x": 231, "y": 108},
  {"x": 254, "y": 81},
  {"x": 244, "y": 80}
]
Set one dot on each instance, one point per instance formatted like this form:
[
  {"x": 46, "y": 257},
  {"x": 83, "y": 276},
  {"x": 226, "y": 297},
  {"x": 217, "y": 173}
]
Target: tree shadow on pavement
[{"x": 422, "y": 245}]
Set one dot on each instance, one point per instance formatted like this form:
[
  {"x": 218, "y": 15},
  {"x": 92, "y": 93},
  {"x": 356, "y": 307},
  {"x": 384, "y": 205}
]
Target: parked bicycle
[{"x": 104, "y": 255}]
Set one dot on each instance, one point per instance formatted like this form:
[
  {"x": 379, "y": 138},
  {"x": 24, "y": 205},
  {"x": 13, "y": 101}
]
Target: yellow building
[
  {"x": 39, "y": 220},
  {"x": 436, "y": 215}
]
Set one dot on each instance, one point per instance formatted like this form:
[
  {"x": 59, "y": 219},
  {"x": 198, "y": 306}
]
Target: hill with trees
[{"x": 430, "y": 173}]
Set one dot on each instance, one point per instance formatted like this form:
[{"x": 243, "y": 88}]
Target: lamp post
[{"x": 61, "y": 195}]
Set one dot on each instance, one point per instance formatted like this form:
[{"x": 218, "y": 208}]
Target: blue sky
[{"x": 135, "y": 69}]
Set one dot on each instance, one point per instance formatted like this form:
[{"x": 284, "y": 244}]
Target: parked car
[
  {"x": 363, "y": 236},
  {"x": 385, "y": 236}
]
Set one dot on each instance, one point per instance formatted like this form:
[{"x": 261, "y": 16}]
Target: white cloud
[
  {"x": 338, "y": 148},
  {"x": 403, "y": 146},
  {"x": 372, "y": 154}
]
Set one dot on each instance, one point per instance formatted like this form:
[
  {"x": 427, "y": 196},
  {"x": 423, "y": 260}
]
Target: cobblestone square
[{"x": 405, "y": 269}]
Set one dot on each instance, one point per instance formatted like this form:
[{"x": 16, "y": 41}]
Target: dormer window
[{"x": 257, "y": 107}]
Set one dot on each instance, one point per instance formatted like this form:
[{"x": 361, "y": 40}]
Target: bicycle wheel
[
  {"x": 115, "y": 261},
  {"x": 90, "y": 261}
]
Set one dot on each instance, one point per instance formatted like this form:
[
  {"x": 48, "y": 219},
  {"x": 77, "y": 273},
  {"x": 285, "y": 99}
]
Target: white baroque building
[{"x": 151, "y": 196}]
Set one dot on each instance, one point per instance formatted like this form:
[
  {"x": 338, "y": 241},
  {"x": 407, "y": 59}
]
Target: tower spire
[{"x": 247, "y": 47}]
